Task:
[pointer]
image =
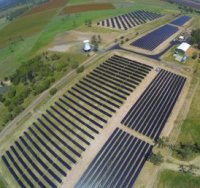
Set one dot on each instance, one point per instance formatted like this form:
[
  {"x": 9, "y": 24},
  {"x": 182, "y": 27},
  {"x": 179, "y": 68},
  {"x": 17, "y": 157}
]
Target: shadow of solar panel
[
  {"x": 118, "y": 163},
  {"x": 155, "y": 38},
  {"x": 181, "y": 21}
]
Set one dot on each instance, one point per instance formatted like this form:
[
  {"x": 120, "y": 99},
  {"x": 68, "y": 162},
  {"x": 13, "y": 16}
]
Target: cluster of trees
[
  {"x": 185, "y": 151},
  {"x": 88, "y": 23},
  {"x": 196, "y": 37},
  {"x": 95, "y": 41},
  {"x": 32, "y": 78},
  {"x": 121, "y": 40}
]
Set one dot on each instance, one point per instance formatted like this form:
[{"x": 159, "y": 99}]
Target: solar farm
[
  {"x": 47, "y": 151},
  {"x": 118, "y": 163},
  {"x": 102, "y": 123},
  {"x": 152, "y": 110},
  {"x": 181, "y": 21},
  {"x": 129, "y": 20},
  {"x": 152, "y": 40}
]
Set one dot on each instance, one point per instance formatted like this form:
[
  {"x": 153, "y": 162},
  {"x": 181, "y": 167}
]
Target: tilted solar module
[
  {"x": 153, "y": 39},
  {"x": 181, "y": 20}
]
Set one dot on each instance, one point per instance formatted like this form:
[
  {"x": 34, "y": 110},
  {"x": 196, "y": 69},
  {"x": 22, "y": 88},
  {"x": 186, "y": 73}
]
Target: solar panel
[
  {"x": 129, "y": 20},
  {"x": 118, "y": 163},
  {"x": 181, "y": 21},
  {"x": 155, "y": 38},
  {"x": 151, "y": 111}
]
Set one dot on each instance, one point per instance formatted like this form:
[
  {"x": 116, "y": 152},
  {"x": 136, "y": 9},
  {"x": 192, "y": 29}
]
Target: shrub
[
  {"x": 74, "y": 65},
  {"x": 80, "y": 69},
  {"x": 53, "y": 91},
  {"x": 194, "y": 55}
]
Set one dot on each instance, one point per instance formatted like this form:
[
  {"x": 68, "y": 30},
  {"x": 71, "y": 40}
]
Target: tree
[
  {"x": 12, "y": 92},
  {"x": 156, "y": 159},
  {"x": 161, "y": 142},
  {"x": 1, "y": 98},
  {"x": 80, "y": 69},
  {"x": 96, "y": 47},
  {"x": 196, "y": 37},
  {"x": 99, "y": 38},
  {"x": 74, "y": 65},
  {"x": 93, "y": 39},
  {"x": 53, "y": 91}
]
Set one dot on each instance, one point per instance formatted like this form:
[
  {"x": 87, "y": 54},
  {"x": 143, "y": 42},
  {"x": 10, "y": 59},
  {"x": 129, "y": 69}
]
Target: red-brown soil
[{"x": 52, "y": 4}]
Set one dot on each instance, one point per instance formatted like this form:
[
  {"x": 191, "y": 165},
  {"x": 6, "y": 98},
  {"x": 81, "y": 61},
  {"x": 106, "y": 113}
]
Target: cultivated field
[
  {"x": 25, "y": 26},
  {"x": 87, "y": 7},
  {"x": 51, "y": 4}
]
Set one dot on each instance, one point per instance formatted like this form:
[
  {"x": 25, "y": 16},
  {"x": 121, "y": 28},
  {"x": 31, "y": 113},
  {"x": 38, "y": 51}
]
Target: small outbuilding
[
  {"x": 183, "y": 47},
  {"x": 86, "y": 46},
  {"x": 180, "y": 53}
]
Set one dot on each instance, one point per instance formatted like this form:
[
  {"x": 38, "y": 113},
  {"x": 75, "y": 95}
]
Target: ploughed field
[
  {"x": 52, "y": 4},
  {"x": 87, "y": 7},
  {"x": 129, "y": 20},
  {"x": 46, "y": 152}
]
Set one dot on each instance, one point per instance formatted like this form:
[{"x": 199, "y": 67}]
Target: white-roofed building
[
  {"x": 183, "y": 47},
  {"x": 86, "y": 46},
  {"x": 180, "y": 53}
]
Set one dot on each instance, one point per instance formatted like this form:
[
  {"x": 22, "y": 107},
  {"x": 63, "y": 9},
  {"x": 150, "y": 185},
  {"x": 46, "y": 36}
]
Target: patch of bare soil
[{"x": 63, "y": 42}]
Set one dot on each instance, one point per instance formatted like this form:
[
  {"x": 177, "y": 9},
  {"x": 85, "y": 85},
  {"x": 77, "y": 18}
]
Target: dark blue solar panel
[
  {"x": 118, "y": 163},
  {"x": 155, "y": 38},
  {"x": 181, "y": 21}
]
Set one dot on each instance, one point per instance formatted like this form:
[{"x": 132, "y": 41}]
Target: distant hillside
[
  {"x": 4, "y": 4},
  {"x": 8, "y": 3}
]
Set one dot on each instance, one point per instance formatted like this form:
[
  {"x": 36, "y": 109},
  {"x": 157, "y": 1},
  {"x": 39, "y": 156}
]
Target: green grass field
[
  {"x": 3, "y": 184},
  {"x": 190, "y": 132},
  {"x": 170, "y": 179},
  {"x": 25, "y": 26}
]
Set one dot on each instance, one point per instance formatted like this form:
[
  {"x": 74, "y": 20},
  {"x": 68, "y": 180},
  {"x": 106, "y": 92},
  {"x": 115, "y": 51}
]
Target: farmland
[
  {"x": 86, "y": 7},
  {"x": 114, "y": 116},
  {"x": 52, "y": 4},
  {"x": 24, "y": 27}
]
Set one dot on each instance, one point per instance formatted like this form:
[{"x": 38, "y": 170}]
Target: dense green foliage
[
  {"x": 35, "y": 76},
  {"x": 185, "y": 151},
  {"x": 80, "y": 69},
  {"x": 196, "y": 37},
  {"x": 53, "y": 91},
  {"x": 156, "y": 158}
]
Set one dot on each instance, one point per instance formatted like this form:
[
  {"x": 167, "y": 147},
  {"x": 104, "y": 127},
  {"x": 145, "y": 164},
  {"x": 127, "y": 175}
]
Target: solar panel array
[
  {"x": 152, "y": 110},
  {"x": 47, "y": 151},
  {"x": 118, "y": 163},
  {"x": 153, "y": 39},
  {"x": 181, "y": 20},
  {"x": 129, "y": 20}
]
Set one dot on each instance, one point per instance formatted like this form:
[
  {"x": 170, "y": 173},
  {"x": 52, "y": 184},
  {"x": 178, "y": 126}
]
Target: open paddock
[{"x": 87, "y": 7}]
